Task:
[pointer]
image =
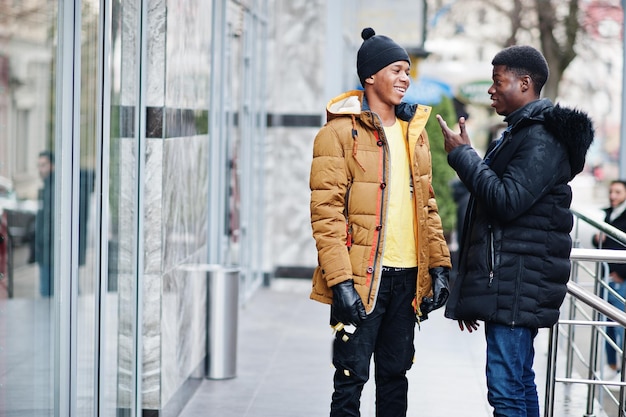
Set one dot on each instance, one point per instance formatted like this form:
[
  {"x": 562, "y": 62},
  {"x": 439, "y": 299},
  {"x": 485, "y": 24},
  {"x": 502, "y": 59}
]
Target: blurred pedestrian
[
  {"x": 615, "y": 215},
  {"x": 44, "y": 225},
  {"x": 514, "y": 262},
  {"x": 460, "y": 195},
  {"x": 383, "y": 260}
]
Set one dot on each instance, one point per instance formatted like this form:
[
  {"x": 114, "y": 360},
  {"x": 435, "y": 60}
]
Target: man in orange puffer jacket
[{"x": 383, "y": 260}]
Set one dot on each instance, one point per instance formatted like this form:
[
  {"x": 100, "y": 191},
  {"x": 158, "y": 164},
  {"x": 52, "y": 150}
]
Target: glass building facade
[{"x": 128, "y": 130}]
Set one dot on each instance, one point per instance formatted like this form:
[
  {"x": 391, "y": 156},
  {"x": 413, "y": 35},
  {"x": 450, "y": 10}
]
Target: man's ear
[
  {"x": 527, "y": 83},
  {"x": 370, "y": 80}
]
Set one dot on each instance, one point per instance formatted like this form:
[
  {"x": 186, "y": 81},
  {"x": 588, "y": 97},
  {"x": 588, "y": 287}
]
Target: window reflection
[
  {"x": 28, "y": 42},
  {"x": 88, "y": 297},
  {"x": 42, "y": 251}
]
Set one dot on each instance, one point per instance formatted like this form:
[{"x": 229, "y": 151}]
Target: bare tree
[
  {"x": 553, "y": 26},
  {"x": 558, "y": 52},
  {"x": 558, "y": 24}
]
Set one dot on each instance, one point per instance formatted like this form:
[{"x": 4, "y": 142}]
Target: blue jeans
[
  {"x": 387, "y": 333},
  {"x": 615, "y": 333},
  {"x": 510, "y": 377}
]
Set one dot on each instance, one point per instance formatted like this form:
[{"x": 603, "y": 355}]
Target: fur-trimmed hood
[
  {"x": 574, "y": 129},
  {"x": 571, "y": 127}
]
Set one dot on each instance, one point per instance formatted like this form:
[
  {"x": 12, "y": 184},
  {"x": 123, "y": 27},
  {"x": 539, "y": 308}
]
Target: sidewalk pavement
[{"x": 284, "y": 365}]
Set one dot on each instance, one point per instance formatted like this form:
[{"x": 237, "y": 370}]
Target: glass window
[
  {"x": 27, "y": 174},
  {"x": 88, "y": 290}
]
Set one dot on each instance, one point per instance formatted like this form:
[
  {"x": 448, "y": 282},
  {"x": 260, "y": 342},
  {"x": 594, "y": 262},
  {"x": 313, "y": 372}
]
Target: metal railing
[{"x": 586, "y": 307}]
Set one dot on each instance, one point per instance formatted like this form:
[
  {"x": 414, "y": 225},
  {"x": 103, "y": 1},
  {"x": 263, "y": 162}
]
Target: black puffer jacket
[{"x": 514, "y": 262}]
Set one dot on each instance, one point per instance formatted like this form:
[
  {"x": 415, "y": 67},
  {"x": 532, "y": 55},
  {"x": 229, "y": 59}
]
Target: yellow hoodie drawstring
[{"x": 355, "y": 146}]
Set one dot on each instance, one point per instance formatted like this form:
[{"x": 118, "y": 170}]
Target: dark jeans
[
  {"x": 615, "y": 333},
  {"x": 510, "y": 377},
  {"x": 388, "y": 334}
]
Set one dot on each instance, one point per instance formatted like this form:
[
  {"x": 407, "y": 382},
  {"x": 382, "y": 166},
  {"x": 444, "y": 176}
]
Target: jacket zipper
[
  {"x": 346, "y": 215},
  {"x": 518, "y": 284},
  {"x": 492, "y": 256},
  {"x": 380, "y": 219}
]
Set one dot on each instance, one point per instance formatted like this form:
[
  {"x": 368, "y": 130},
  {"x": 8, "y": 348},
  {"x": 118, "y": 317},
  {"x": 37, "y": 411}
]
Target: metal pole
[
  {"x": 217, "y": 240},
  {"x": 622, "y": 147},
  {"x": 622, "y": 390},
  {"x": 593, "y": 350},
  {"x": 551, "y": 372}
]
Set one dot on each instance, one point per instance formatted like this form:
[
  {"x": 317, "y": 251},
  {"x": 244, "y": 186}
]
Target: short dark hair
[
  {"x": 47, "y": 154},
  {"x": 524, "y": 60},
  {"x": 623, "y": 182}
]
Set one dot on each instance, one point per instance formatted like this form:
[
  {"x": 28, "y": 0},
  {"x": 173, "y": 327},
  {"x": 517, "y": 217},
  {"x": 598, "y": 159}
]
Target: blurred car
[{"x": 20, "y": 214}]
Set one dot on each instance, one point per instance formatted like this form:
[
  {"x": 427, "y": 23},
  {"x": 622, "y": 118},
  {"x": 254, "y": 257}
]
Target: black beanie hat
[{"x": 376, "y": 52}]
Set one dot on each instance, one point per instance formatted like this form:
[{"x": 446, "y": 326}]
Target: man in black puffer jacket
[{"x": 514, "y": 257}]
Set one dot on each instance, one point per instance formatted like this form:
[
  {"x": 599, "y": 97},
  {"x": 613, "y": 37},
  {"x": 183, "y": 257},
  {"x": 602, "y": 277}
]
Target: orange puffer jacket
[{"x": 349, "y": 202}]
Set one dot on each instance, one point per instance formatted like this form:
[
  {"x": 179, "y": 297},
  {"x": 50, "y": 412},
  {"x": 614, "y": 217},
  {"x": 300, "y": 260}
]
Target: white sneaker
[
  {"x": 610, "y": 374},
  {"x": 613, "y": 376}
]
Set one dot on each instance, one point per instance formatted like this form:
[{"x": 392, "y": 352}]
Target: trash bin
[{"x": 222, "y": 318}]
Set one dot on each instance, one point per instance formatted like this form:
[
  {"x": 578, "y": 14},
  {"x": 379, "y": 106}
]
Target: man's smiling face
[
  {"x": 390, "y": 83},
  {"x": 507, "y": 90}
]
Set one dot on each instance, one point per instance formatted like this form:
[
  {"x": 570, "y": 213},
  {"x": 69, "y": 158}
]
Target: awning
[{"x": 427, "y": 90}]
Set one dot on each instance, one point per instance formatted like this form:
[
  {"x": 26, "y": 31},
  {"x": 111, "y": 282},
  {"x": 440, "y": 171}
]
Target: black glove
[
  {"x": 440, "y": 277},
  {"x": 347, "y": 306}
]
